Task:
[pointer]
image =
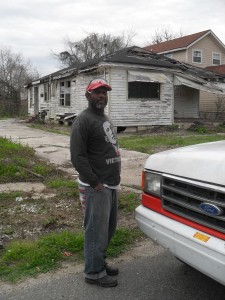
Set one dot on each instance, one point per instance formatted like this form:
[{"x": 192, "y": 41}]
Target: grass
[
  {"x": 30, "y": 255},
  {"x": 65, "y": 187},
  {"x": 128, "y": 201},
  {"x": 25, "y": 258},
  {"x": 151, "y": 143},
  {"x": 19, "y": 163},
  {"x": 51, "y": 127},
  {"x": 30, "y": 258}
]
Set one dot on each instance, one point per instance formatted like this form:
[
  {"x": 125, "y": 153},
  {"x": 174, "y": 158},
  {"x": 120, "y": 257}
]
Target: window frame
[
  {"x": 46, "y": 92},
  {"x": 65, "y": 93},
  {"x": 193, "y": 56},
  {"x": 216, "y": 53},
  {"x": 134, "y": 87}
]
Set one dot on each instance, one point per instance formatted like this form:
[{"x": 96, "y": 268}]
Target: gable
[
  {"x": 184, "y": 42},
  {"x": 176, "y": 44}
]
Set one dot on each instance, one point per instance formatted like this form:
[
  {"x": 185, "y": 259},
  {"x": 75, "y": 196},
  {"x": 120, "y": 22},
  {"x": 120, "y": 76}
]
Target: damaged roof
[
  {"x": 134, "y": 56},
  {"x": 139, "y": 56}
]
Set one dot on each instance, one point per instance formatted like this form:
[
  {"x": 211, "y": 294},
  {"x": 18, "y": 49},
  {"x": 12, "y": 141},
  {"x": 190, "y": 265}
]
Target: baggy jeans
[{"x": 100, "y": 221}]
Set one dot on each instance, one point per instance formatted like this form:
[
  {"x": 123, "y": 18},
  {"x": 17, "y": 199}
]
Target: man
[{"x": 96, "y": 157}]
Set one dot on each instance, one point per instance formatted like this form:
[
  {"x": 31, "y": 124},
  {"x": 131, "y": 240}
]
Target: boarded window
[
  {"x": 143, "y": 90},
  {"x": 145, "y": 85}
]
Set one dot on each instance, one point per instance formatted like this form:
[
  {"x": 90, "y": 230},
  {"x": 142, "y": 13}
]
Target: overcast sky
[{"x": 35, "y": 28}]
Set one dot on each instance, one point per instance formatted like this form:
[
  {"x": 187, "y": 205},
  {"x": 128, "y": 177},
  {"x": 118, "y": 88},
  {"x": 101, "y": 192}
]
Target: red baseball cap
[{"x": 97, "y": 83}]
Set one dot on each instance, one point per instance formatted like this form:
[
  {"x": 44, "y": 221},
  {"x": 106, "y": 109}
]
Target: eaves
[{"x": 173, "y": 50}]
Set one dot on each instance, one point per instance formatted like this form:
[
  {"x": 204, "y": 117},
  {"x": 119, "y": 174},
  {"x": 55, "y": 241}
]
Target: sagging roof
[
  {"x": 134, "y": 56},
  {"x": 139, "y": 56},
  {"x": 180, "y": 43}
]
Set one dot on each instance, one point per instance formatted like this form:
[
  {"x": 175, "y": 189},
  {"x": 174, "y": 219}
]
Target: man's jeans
[{"x": 100, "y": 220}]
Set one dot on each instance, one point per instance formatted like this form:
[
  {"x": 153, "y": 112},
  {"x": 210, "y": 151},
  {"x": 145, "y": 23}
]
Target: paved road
[
  {"x": 149, "y": 272},
  {"x": 157, "y": 277}
]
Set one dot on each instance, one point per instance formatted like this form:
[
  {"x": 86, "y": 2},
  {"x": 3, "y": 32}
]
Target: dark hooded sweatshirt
[{"x": 94, "y": 149}]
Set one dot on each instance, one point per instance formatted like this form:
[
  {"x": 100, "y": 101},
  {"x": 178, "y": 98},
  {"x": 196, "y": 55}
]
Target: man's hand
[{"x": 99, "y": 187}]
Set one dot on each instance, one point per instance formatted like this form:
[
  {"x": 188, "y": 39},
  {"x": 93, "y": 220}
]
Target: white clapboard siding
[{"x": 124, "y": 112}]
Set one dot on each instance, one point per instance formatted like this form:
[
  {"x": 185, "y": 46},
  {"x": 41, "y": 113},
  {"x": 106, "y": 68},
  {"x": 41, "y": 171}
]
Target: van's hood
[{"x": 204, "y": 162}]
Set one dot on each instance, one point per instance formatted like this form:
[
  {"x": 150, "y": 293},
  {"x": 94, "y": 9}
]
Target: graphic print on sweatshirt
[{"x": 111, "y": 138}]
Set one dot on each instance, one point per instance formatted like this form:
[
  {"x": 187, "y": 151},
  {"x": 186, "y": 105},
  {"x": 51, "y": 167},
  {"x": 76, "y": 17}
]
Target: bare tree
[
  {"x": 14, "y": 74},
  {"x": 93, "y": 46},
  {"x": 163, "y": 36}
]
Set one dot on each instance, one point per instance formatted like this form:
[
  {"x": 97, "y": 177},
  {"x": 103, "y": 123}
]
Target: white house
[{"x": 145, "y": 87}]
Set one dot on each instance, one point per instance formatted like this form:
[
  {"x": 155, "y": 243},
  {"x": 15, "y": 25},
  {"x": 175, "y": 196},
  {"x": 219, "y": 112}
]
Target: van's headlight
[{"x": 151, "y": 183}]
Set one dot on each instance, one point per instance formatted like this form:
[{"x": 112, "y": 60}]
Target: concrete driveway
[{"x": 55, "y": 148}]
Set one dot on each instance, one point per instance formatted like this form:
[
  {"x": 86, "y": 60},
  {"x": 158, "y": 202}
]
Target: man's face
[{"x": 98, "y": 98}]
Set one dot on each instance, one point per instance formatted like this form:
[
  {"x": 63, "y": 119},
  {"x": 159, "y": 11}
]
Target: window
[
  {"x": 46, "y": 92},
  {"x": 145, "y": 85},
  {"x": 61, "y": 100},
  {"x": 216, "y": 58},
  {"x": 67, "y": 100},
  {"x": 64, "y": 99},
  {"x": 143, "y": 90},
  {"x": 197, "y": 56}
]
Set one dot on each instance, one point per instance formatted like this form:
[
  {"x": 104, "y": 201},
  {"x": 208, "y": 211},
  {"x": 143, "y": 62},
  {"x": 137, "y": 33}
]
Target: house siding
[
  {"x": 124, "y": 112},
  {"x": 79, "y": 101},
  {"x": 208, "y": 105},
  {"x": 208, "y": 45},
  {"x": 30, "y": 95},
  {"x": 180, "y": 55}
]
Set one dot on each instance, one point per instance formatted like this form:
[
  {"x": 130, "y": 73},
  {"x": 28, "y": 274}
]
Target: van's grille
[{"x": 184, "y": 199}]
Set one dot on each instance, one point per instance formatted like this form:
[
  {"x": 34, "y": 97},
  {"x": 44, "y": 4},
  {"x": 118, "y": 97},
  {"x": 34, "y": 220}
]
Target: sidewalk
[{"x": 55, "y": 148}]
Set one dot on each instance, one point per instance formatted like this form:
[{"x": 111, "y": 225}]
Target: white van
[{"x": 183, "y": 205}]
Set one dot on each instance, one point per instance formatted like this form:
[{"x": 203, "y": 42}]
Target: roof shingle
[
  {"x": 177, "y": 43},
  {"x": 218, "y": 69}
]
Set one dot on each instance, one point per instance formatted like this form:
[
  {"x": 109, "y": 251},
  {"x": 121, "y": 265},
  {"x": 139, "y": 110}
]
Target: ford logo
[{"x": 211, "y": 209}]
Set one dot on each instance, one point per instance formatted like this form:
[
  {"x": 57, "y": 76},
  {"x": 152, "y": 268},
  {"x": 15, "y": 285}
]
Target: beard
[{"x": 98, "y": 106}]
